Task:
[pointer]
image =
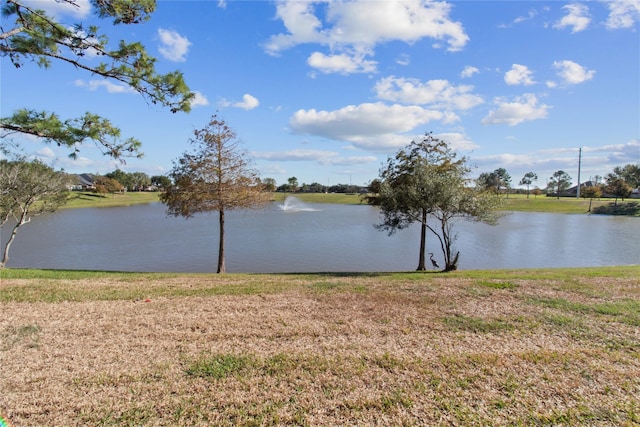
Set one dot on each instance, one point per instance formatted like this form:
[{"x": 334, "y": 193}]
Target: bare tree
[{"x": 215, "y": 177}]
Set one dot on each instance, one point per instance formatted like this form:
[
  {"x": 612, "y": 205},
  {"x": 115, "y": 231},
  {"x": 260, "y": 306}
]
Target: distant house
[
  {"x": 83, "y": 182},
  {"x": 572, "y": 192}
]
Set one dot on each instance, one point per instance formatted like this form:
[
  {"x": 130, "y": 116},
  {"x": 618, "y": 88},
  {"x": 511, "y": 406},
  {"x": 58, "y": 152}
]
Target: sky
[{"x": 327, "y": 91}]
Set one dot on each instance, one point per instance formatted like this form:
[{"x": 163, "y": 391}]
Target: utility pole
[{"x": 579, "y": 165}]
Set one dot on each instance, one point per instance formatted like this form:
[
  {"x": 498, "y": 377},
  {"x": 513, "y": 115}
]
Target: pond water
[{"x": 309, "y": 238}]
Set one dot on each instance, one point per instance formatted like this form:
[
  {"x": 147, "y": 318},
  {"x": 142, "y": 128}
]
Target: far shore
[{"x": 512, "y": 202}]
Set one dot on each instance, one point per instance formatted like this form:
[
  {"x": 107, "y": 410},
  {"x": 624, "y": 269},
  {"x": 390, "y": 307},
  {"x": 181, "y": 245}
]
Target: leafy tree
[
  {"x": 27, "y": 190},
  {"x": 161, "y": 181},
  {"x": 559, "y": 182},
  {"x": 122, "y": 177},
  {"x": 104, "y": 185},
  {"x": 591, "y": 192},
  {"x": 528, "y": 179},
  {"x": 504, "y": 179},
  {"x": 314, "y": 187},
  {"x": 37, "y": 37},
  {"x": 293, "y": 184},
  {"x": 139, "y": 181},
  {"x": 494, "y": 181},
  {"x": 425, "y": 180},
  {"x": 618, "y": 187},
  {"x": 536, "y": 192},
  {"x": 629, "y": 173},
  {"x": 216, "y": 176},
  {"x": 269, "y": 184}
]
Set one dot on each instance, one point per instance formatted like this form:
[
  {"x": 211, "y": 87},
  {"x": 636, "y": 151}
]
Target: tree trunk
[
  {"x": 221, "y": 268},
  {"x": 5, "y": 255},
  {"x": 423, "y": 242},
  {"x": 452, "y": 265}
]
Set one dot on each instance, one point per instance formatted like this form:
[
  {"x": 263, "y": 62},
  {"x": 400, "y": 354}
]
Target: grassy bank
[
  {"x": 81, "y": 199},
  {"x": 507, "y": 347},
  {"x": 518, "y": 202}
]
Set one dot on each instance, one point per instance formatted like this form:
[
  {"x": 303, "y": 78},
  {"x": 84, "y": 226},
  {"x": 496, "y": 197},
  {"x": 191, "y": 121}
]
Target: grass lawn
[
  {"x": 519, "y": 202},
  {"x": 81, "y": 199},
  {"x": 505, "y": 347},
  {"x": 515, "y": 202}
]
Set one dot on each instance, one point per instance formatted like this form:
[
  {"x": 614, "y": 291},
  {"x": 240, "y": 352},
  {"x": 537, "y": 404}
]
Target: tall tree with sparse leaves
[
  {"x": 37, "y": 37},
  {"x": 423, "y": 181},
  {"x": 528, "y": 179},
  {"x": 559, "y": 182},
  {"x": 216, "y": 176},
  {"x": 27, "y": 190}
]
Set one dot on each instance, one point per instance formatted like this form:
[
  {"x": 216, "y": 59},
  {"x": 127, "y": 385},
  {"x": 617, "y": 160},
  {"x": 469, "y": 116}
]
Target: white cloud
[
  {"x": 199, "y": 100},
  {"x": 573, "y": 73},
  {"x": 108, "y": 85},
  {"x": 356, "y": 121},
  {"x": 80, "y": 8},
  {"x": 173, "y": 46},
  {"x": 44, "y": 154},
  {"x": 520, "y": 19},
  {"x": 403, "y": 59},
  {"x": 372, "y": 126},
  {"x": 436, "y": 93},
  {"x": 302, "y": 26},
  {"x": 522, "y": 109},
  {"x": 519, "y": 75},
  {"x": 249, "y": 102},
  {"x": 532, "y": 14},
  {"x": 622, "y": 13},
  {"x": 577, "y": 18},
  {"x": 457, "y": 141},
  {"x": 356, "y": 27},
  {"x": 469, "y": 71},
  {"x": 341, "y": 63},
  {"x": 598, "y": 160},
  {"x": 628, "y": 152}
]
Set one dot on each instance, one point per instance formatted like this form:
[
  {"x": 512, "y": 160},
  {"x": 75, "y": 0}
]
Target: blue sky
[{"x": 326, "y": 91}]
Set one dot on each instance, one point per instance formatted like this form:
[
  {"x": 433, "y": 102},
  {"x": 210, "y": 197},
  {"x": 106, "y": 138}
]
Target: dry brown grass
[{"x": 322, "y": 350}]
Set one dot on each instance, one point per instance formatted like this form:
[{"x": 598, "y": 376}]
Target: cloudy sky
[{"x": 326, "y": 91}]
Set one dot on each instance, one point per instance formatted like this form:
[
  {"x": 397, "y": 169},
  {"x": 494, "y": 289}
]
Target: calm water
[{"x": 309, "y": 238}]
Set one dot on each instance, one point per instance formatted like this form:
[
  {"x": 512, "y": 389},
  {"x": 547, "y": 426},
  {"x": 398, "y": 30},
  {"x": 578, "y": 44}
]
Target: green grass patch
[
  {"x": 568, "y": 275},
  {"x": 567, "y": 205},
  {"x": 32, "y": 285},
  {"x": 330, "y": 198},
  {"x": 493, "y": 284},
  {"x": 327, "y": 286},
  {"x": 81, "y": 199},
  {"x": 626, "y": 311},
  {"x": 220, "y": 366}
]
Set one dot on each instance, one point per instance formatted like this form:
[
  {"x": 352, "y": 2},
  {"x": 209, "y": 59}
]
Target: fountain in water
[{"x": 293, "y": 204}]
